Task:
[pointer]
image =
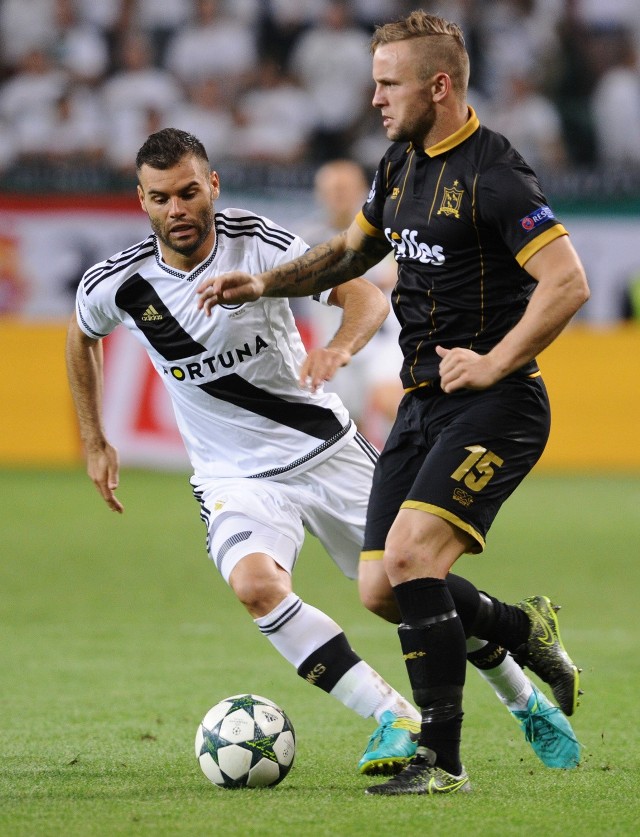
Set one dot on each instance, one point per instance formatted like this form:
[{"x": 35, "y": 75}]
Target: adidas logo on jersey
[{"x": 151, "y": 315}]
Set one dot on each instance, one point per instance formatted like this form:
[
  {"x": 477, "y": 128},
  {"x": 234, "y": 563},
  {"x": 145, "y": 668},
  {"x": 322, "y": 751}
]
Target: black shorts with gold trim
[{"x": 458, "y": 456}]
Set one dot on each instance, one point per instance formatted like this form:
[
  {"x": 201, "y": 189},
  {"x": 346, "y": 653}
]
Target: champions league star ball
[{"x": 245, "y": 741}]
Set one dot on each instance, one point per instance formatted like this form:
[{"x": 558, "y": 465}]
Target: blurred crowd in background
[
  {"x": 279, "y": 92},
  {"x": 289, "y": 81}
]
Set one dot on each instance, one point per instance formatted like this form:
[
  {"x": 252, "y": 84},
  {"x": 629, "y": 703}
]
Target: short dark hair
[{"x": 167, "y": 147}]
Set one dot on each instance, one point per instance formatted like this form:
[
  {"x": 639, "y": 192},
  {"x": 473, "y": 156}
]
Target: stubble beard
[
  {"x": 203, "y": 224},
  {"x": 415, "y": 131}
]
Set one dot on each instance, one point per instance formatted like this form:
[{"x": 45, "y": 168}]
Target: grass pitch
[{"x": 118, "y": 635}]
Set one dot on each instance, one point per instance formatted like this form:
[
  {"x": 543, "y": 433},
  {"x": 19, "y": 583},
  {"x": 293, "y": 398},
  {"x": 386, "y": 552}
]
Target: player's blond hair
[{"x": 443, "y": 41}]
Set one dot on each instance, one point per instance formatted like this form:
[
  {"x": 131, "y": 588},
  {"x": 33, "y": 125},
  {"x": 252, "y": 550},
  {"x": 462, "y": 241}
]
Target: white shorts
[{"x": 329, "y": 500}]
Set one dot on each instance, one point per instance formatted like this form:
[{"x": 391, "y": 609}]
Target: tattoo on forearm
[{"x": 320, "y": 268}]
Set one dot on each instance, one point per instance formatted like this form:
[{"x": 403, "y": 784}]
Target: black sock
[
  {"x": 468, "y": 602},
  {"x": 434, "y": 648},
  {"x": 466, "y": 598},
  {"x": 504, "y": 624},
  {"x": 329, "y": 663},
  {"x": 487, "y": 657}
]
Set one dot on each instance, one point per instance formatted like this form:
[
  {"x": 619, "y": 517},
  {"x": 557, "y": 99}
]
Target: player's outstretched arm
[
  {"x": 364, "y": 309},
  {"x": 84, "y": 370},
  {"x": 345, "y": 256}
]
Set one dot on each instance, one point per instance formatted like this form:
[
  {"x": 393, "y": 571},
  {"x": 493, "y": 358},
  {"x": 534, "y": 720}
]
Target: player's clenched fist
[{"x": 465, "y": 369}]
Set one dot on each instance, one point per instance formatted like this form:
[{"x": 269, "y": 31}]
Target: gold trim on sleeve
[
  {"x": 539, "y": 242},
  {"x": 372, "y": 555},
  {"x": 366, "y": 227}
]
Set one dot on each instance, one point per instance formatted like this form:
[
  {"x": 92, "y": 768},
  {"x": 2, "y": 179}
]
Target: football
[{"x": 245, "y": 741}]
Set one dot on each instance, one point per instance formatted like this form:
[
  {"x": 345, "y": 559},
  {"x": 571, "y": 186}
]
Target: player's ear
[
  {"x": 214, "y": 180},
  {"x": 141, "y": 198},
  {"x": 440, "y": 86}
]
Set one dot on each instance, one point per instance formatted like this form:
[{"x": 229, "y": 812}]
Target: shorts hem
[
  {"x": 445, "y": 514},
  {"x": 372, "y": 555}
]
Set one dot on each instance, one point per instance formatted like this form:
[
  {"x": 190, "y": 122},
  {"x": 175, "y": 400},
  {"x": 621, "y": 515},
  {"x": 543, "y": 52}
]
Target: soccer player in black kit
[{"x": 487, "y": 278}]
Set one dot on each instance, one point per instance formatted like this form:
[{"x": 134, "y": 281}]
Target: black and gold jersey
[{"x": 463, "y": 218}]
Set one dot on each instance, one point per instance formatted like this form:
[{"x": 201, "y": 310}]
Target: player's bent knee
[
  {"x": 420, "y": 544},
  {"x": 398, "y": 560},
  {"x": 375, "y": 591},
  {"x": 384, "y": 607},
  {"x": 259, "y": 584},
  {"x": 259, "y": 599}
]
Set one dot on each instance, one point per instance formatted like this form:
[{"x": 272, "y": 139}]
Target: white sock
[
  {"x": 367, "y": 693},
  {"x": 508, "y": 680},
  {"x": 296, "y": 630}
]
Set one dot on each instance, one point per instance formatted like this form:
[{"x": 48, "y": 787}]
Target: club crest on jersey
[
  {"x": 407, "y": 246},
  {"x": 451, "y": 200}
]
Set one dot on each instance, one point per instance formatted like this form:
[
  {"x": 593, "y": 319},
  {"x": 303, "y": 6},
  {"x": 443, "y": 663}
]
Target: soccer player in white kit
[{"x": 272, "y": 453}]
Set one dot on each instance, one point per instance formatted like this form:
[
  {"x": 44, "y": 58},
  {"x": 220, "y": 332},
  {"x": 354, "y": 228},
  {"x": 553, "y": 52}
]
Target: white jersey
[{"x": 233, "y": 376}]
